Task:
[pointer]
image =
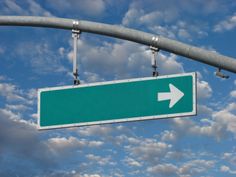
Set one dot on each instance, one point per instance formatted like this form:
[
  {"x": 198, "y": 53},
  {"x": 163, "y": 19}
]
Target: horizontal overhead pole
[{"x": 179, "y": 48}]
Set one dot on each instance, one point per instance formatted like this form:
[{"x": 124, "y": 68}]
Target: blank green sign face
[{"x": 119, "y": 101}]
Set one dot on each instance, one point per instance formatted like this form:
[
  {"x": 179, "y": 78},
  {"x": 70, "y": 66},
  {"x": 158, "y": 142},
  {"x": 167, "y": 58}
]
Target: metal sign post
[{"x": 160, "y": 42}]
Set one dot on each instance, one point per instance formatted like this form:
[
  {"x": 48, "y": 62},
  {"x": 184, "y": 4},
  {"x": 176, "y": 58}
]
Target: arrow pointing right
[{"x": 174, "y": 95}]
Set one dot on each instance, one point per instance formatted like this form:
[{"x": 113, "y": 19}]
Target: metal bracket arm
[{"x": 220, "y": 74}]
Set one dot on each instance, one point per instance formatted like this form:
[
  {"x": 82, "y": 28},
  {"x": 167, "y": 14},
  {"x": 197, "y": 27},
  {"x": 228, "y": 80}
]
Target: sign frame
[{"x": 132, "y": 119}]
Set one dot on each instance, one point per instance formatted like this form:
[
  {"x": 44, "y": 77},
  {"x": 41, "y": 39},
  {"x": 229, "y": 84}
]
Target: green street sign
[{"x": 117, "y": 101}]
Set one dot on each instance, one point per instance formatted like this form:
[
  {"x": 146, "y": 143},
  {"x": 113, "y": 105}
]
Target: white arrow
[{"x": 174, "y": 95}]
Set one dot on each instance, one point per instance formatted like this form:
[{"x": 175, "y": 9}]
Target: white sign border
[{"x": 194, "y": 112}]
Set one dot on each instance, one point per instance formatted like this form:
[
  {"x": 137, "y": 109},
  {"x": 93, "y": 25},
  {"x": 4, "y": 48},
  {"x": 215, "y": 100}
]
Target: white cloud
[
  {"x": 95, "y": 144},
  {"x": 138, "y": 16},
  {"x": 185, "y": 127},
  {"x": 183, "y": 33},
  {"x": 230, "y": 157},
  {"x": 163, "y": 170},
  {"x": 10, "y": 115},
  {"x": 189, "y": 168},
  {"x": 168, "y": 136},
  {"x": 204, "y": 90},
  {"x": 41, "y": 57},
  {"x": 86, "y": 175},
  {"x": 29, "y": 7},
  {"x": 181, "y": 30},
  {"x": 155, "y": 155},
  {"x": 88, "y": 7},
  {"x": 151, "y": 17},
  {"x": 139, "y": 13},
  {"x": 32, "y": 95},
  {"x": 180, "y": 154},
  {"x": 98, "y": 130},
  {"x": 225, "y": 169},
  {"x": 131, "y": 16},
  {"x": 131, "y": 162},
  {"x": 226, "y": 118},
  {"x": 35, "y": 116},
  {"x": 217, "y": 125},
  {"x": 168, "y": 64},
  {"x": 233, "y": 93},
  {"x": 207, "y": 130},
  {"x": 36, "y": 9},
  {"x": 195, "y": 167},
  {"x": 120, "y": 139},
  {"x": 204, "y": 110},
  {"x": 92, "y": 77},
  {"x": 99, "y": 160},
  {"x": 63, "y": 144},
  {"x": 11, "y": 92},
  {"x": 149, "y": 150},
  {"x": 226, "y": 25},
  {"x": 164, "y": 31},
  {"x": 12, "y": 6},
  {"x": 164, "y": 19},
  {"x": 18, "y": 107},
  {"x": 21, "y": 98},
  {"x": 207, "y": 8}
]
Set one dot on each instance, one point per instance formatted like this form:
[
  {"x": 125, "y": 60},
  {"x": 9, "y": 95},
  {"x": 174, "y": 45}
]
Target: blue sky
[{"x": 32, "y": 58}]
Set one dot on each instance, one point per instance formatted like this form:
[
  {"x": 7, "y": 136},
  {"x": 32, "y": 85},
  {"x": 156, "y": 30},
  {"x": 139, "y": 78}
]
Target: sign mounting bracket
[
  {"x": 75, "y": 35},
  {"x": 155, "y": 51}
]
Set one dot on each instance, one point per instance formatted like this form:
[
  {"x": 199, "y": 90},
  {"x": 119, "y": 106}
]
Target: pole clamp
[
  {"x": 154, "y": 39},
  {"x": 75, "y": 30},
  {"x": 76, "y": 26}
]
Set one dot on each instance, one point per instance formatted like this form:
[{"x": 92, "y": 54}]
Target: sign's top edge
[{"x": 193, "y": 74}]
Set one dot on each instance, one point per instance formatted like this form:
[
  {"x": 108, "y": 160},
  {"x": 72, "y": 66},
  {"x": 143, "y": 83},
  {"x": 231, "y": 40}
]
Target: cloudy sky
[{"x": 32, "y": 58}]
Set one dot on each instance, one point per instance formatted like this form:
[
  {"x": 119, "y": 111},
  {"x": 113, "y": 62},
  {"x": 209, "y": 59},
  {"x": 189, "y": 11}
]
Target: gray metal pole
[{"x": 179, "y": 48}]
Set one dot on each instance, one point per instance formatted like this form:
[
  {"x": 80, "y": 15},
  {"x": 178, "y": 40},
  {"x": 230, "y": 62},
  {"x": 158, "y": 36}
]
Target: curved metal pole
[{"x": 179, "y": 48}]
